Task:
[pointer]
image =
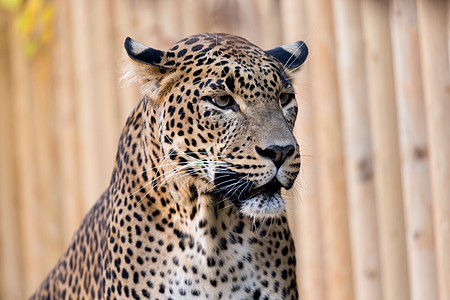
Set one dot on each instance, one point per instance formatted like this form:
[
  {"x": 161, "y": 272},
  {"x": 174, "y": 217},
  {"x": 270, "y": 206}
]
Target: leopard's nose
[{"x": 278, "y": 154}]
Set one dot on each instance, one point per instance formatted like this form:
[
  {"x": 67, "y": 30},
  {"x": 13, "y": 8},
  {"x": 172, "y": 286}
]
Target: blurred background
[{"x": 371, "y": 209}]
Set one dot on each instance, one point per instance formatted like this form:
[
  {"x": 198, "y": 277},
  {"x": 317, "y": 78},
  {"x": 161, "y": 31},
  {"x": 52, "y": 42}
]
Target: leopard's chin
[
  {"x": 265, "y": 204},
  {"x": 259, "y": 202}
]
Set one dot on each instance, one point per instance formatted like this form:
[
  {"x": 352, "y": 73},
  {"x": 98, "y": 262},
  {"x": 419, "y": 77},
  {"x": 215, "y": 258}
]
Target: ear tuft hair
[{"x": 150, "y": 68}]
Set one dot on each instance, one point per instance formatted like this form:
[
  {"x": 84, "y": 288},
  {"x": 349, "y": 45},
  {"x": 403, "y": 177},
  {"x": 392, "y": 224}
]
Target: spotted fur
[{"x": 193, "y": 210}]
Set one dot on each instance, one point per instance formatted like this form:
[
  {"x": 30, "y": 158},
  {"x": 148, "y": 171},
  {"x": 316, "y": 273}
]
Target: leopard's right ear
[
  {"x": 152, "y": 68},
  {"x": 148, "y": 56}
]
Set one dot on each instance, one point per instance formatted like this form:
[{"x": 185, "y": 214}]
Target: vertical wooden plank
[
  {"x": 48, "y": 205},
  {"x": 432, "y": 16},
  {"x": 270, "y": 26},
  {"x": 29, "y": 209},
  {"x": 68, "y": 180},
  {"x": 383, "y": 119},
  {"x": 305, "y": 218},
  {"x": 10, "y": 259},
  {"x": 414, "y": 151},
  {"x": 170, "y": 20},
  {"x": 146, "y": 19},
  {"x": 249, "y": 20},
  {"x": 128, "y": 96},
  {"x": 101, "y": 46},
  {"x": 329, "y": 154},
  {"x": 223, "y": 16},
  {"x": 194, "y": 17},
  {"x": 85, "y": 102},
  {"x": 358, "y": 149}
]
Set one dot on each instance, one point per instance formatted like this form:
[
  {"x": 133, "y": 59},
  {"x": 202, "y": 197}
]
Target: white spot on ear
[
  {"x": 293, "y": 48},
  {"x": 137, "y": 48}
]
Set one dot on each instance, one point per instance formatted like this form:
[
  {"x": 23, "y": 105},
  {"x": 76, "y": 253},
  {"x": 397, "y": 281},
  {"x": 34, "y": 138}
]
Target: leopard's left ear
[{"x": 292, "y": 55}]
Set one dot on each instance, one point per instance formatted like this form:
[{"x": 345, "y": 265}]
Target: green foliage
[{"x": 33, "y": 22}]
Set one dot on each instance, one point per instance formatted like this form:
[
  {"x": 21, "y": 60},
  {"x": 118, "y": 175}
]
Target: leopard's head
[{"x": 226, "y": 114}]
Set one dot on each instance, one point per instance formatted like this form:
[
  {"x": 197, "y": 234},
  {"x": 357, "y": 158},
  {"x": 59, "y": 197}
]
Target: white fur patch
[
  {"x": 137, "y": 48},
  {"x": 293, "y": 48},
  {"x": 263, "y": 205}
]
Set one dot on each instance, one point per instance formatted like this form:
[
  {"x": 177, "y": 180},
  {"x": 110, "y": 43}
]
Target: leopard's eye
[
  {"x": 286, "y": 98},
  {"x": 223, "y": 101}
]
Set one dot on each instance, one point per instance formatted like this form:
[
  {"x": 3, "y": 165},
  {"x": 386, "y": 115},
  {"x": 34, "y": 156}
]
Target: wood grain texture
[
  {"x": 67, "y": 143},
  {"x": 86, "y": 105},
  {"x": 414, "y": 151},
  {"x": 304, "y": 205},
  {"x": 383, "y": 121},
  {"x": 32, "y": 249},
  {"x": 10, "y": 254},
  {"x": 123, "y": 26},
  {"x": 358, "y": 149},
  {"x": 436, "y": 82},
  {"x": 330, "y": 155}
]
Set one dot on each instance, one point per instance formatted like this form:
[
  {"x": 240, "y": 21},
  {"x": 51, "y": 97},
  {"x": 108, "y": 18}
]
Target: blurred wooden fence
[{"x": 371, "y": 215}]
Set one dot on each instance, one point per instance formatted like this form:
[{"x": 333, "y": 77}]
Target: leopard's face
[{"x": 226, "y": 119}]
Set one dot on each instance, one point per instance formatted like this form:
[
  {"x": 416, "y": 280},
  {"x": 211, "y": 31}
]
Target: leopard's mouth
[
  {"x": 272, "y": 187},
  {"x": 235, "y": 186},
  {"x": 262, "y": 201}
]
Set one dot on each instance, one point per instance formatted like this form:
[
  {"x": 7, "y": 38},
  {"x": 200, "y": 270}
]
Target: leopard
[{"x": 194, "y": 209}]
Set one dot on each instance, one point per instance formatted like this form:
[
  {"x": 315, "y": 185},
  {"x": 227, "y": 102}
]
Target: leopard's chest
[{"x": 237, "y": 263}]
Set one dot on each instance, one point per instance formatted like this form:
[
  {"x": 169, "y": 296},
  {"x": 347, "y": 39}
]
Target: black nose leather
[{"x": 278, "y": 154}]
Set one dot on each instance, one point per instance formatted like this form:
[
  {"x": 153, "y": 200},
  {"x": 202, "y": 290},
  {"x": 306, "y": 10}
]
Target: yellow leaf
[
  {"x": 30, "y": 48},
  {"x": 26, "y": 25},
  {"x": 11, "y": 4},
  {"x": 46, "y": 34},
  {"x": 32, "y": 6},
  {"x": 48, "y": 13}
]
